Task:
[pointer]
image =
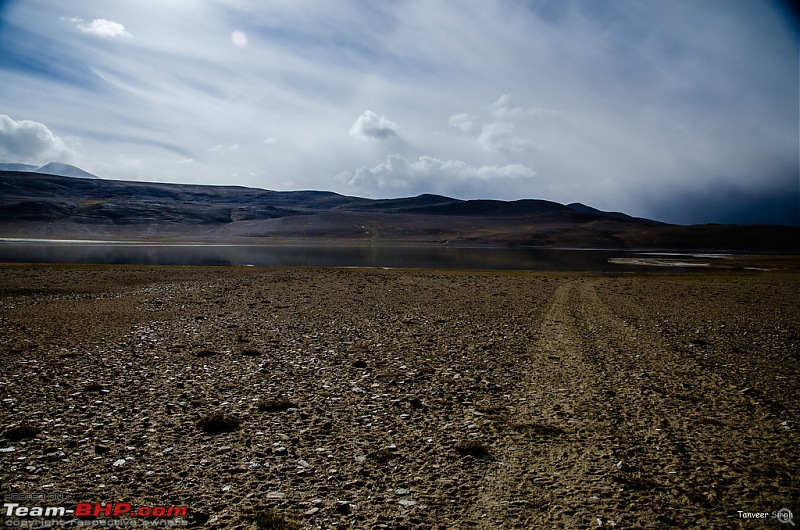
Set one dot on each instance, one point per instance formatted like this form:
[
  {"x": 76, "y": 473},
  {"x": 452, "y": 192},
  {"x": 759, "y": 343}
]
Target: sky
[{"x": 683, "y": 111}]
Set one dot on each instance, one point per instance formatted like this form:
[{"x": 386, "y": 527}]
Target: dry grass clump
[
  {"x": 20, "y": 432},
  {"x": 383, "y": 456},
  {"x": 271, "y": 519},
  {"x": 275, "y": 405},
  {"x": 218, "y": 423},
  {"x": 473, "y": 448}
]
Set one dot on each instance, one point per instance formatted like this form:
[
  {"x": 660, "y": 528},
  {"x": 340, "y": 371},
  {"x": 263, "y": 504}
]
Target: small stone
[
  {"x": 118, "y": 463},
  {"x": 6, "y": 449},
  {"x": 406, "y": 502},
  {"x": 312, "y": 511},
  {"x": 402, "y": 491},
  {"x": 56, "y": 456}
]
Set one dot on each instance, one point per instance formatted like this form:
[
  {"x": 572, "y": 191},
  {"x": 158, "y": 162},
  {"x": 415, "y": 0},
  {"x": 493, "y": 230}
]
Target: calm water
[{"x": 318, "y": 255}]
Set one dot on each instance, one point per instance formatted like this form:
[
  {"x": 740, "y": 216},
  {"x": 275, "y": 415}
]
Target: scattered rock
[{"x": 472, "y": 379}]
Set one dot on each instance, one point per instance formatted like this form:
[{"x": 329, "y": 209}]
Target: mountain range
[
  {"x": 34, "y": 204},
  {"x": 52, "y": 168}
]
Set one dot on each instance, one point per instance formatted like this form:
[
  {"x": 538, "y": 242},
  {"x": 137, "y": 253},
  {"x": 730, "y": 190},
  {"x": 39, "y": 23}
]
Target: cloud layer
[
  {"x": 623, "y": 105},
  {"x": 399, "y": 176}
]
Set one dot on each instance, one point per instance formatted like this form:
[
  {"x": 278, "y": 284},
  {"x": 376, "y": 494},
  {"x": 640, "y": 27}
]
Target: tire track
[
  {"x": 695, "y": 447},
  {"x": 618, "y": 429},
  {"x": 552, "y": 442}
]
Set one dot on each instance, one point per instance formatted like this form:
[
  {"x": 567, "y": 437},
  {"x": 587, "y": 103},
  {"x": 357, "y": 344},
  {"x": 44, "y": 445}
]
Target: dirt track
[{"x": 622, "y": 401}]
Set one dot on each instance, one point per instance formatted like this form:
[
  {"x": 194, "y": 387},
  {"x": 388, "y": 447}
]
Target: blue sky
[{"x": 684, "y": 111}]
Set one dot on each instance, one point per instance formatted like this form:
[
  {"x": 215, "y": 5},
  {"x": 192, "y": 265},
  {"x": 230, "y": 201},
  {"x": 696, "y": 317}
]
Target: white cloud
[
  {"x": 101, "y": 27},
  {"x": 370, "y": 126},
  {"x": 502, "y": 101},
  {"x": 499, "y": 137},
  {"x": 225, "y": 148},
  {"x": 398, "y": 174},
  {"x": 30, "y": 142},
  {"x": 461, "y": 121},
  {"x": 503, "y": 110}
]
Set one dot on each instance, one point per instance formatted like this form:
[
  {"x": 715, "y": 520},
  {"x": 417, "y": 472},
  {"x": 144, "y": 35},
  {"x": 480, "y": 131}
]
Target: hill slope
[{"x": 34, "y": 205}]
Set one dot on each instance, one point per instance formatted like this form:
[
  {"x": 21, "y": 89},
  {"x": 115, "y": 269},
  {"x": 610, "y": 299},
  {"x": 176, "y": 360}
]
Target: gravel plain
[{"x": 367, "y": 398}]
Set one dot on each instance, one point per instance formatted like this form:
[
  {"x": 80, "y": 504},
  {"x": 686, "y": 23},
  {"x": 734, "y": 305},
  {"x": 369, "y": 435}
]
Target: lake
[{"x": 136, "y": 253}]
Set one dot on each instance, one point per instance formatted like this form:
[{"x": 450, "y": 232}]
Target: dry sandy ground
[{"x": 405, "y": 399}]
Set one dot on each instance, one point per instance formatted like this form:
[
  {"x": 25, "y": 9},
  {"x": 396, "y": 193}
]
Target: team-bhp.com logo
[
  {"x": 118, "y": 509},
  {"x": 90, "y": 510}
]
